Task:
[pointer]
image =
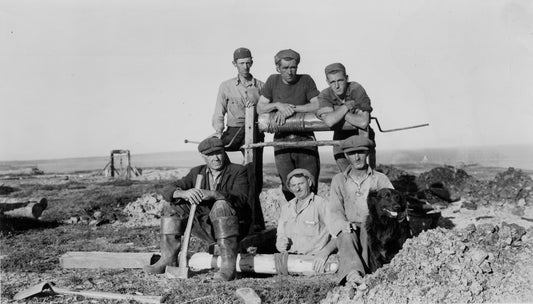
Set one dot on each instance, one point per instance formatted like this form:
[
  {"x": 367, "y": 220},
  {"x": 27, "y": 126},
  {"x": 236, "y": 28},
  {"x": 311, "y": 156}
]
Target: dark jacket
[{"x": 233, "y": 185}]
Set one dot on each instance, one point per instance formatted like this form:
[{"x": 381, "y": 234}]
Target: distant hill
[{"x": 518, "y": 156}]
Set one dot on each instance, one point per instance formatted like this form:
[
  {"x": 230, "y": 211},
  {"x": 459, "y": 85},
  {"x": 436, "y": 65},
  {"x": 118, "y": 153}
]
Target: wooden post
[
  {"x": 253, "y": 160},
  {"x": 112, "y": 163}
]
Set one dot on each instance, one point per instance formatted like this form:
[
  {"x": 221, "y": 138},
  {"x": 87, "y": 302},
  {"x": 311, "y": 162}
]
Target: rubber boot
[
  {"x": 172, "y": 229},
  {"x": 226, "y": 231}
]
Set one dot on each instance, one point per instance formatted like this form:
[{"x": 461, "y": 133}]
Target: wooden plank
[
  {"x": 107, "y": 260},
  {"x": 248, "y": 295}
]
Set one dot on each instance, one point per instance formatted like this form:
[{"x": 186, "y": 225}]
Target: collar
[
  {"x": 238, "y": 80},
  {"x": 346, "y": 172},
  {"x": 306, "y": 203}
]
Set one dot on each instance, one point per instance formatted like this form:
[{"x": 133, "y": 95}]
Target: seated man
[
  {"x": 349, "y": 208},
  {"x": 345, "y": 101},
  {"x": 222, "y": 203},
  {"x": 302, "y": 222}
]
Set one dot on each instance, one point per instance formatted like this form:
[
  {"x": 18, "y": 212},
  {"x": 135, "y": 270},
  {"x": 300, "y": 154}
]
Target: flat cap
[
  {"x": 300, "y": 171},
  {"x": 356, "y": 143},
  {"x": 210, "y": 145},
  {"x": 287, "y": 54},
  {"x": 335, "y": 67},
  {"x": 241, "y": 53}
]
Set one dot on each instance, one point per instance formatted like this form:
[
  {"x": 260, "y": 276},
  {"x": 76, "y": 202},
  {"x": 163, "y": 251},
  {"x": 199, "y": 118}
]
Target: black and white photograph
[{"x": 231, "y": 151}]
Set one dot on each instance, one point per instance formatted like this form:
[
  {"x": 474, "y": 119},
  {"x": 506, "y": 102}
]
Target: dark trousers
[
  {"x": 293, "y": 158},
  {"x": 205, "y": 214}
]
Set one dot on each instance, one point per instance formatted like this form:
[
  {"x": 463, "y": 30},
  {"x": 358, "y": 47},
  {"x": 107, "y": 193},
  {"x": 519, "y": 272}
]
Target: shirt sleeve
[
  {"x": 362, "y": 101},
  {"x": 311, "y": 90},
  {"x": 325, "y": 104},
  {"x": 220, "y": 110},
  {"x": 336, "y": 214},
  {"x": 267, "y": 89},
  {"x": 384, "y": 182}
]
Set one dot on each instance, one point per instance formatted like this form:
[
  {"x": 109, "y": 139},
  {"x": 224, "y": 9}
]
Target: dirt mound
[
  {"x": 487, "y": 263},
  {"x": 145, "y": 211},
  {"x": 509, "y": 187}
]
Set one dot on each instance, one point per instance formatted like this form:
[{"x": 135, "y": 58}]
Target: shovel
[{"x": 39, "y": 288}]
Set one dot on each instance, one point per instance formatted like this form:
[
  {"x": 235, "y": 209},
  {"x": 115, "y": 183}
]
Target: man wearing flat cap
[
  {"x": 349, "y": 207},
  {"x": 285, "y": 94},
  {"x": 302, "y": 223},
  {"x": 234, "y": 96},
  {"x": 343, "y": 102},
  {"x": 222, "y": 214}
]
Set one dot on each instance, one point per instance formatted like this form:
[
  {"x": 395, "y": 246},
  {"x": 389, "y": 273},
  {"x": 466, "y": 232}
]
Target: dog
[{"x": 387, "y": 226}]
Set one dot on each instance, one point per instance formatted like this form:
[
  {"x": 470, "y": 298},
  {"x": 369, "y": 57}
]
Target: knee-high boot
[
  {"x": 226, "y": 231},
  {"x": 172, "y": 228}
]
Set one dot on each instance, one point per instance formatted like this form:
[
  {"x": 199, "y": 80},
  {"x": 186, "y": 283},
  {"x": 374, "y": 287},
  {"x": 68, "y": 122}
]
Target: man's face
[
  {"x": 243, "y": 66},
  {"x": 216, "y": 160},
  {"x": 357, "y": 159},
  {"x": 287, "y": 69},
  {"x": 338, "y": 82},
  {"x": 300, "y": 186}
]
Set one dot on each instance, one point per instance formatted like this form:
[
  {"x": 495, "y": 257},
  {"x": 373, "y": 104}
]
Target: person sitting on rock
[
  {"x": 349, "y": 208},
  {"x": 302, "y": 222},
  {"x": 222, "y": 210}
]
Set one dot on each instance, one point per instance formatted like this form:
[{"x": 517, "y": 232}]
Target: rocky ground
[{"x": 481, "y": 251}]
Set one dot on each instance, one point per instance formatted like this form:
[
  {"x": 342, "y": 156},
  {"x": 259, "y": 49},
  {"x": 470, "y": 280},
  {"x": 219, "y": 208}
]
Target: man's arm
[
  {"x": 336, "y": 217},
  {"x": 312, "y": 106},
  {"x": 265, "y": 106},
  {"x": 220, "y": 111},
  {"x": 358, "y": 118},
  {"x": 282, "y": 241}
]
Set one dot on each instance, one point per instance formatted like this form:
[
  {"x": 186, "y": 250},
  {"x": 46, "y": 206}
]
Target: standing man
[
  {"x": 222, "y": 213},
  {"x": 302, "y": 223},
  {"x": 285, "y": 94},
  {"x": 349, "y": 208},
  {"x": 234, "y": 96},
  {"x": 341, "y": 102}
]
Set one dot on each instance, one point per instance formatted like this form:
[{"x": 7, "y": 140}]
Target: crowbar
[
  {"x": 42, "y": 287},
  {"x": 397, "y": 129}
]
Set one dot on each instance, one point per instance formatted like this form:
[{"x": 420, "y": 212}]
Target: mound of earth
[{"x": 484, "y": 263}]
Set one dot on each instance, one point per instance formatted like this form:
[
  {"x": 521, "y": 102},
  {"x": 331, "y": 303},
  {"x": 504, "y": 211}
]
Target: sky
[{"x": 80, "y": 78}]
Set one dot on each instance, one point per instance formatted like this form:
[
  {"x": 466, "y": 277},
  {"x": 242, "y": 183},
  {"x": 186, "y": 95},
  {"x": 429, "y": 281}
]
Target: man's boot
[
  {"x": 172, "y": 229},
  {"x": 226, "y": 232}
]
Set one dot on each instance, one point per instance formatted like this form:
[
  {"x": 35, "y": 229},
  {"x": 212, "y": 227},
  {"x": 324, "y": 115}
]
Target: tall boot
[
  {"x": 172, "y": 228},
  {"x": 226, "y": 232}
]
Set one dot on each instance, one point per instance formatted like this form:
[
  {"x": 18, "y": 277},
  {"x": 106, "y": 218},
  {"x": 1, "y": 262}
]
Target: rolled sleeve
[{"x": 220, "y": 110}]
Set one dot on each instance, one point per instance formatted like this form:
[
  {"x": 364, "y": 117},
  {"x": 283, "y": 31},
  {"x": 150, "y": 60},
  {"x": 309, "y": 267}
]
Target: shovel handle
[{"x": 109, "y": 295}]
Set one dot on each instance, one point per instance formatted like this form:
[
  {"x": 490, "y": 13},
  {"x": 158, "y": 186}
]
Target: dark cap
[
  {"x": 287, "y": 54},
  {"x": 356, "y": 143},
  {"x": 210, "y": 145},
  {"x": 241, "y": 53},
  {"x": 335, "y": 67},
  {"x": 303, "y": 172}
]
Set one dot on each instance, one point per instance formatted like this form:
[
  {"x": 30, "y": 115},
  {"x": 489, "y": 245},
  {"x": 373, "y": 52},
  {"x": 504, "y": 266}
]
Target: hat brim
[
  {"x": 356, "y": 149},
  {"x": 212, "y": 150}
]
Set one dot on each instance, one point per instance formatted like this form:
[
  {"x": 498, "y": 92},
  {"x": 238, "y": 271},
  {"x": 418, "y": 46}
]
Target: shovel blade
[{"x": 31, "y": 291}]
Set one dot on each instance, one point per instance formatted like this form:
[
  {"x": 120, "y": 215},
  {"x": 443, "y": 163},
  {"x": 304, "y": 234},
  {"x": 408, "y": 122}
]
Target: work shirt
[
  {"x": 348, "y": 197},
  {"x": 305, "y": 227},
  {"x": 213, "y": 178},
  {"x": 233, "y": 98}
]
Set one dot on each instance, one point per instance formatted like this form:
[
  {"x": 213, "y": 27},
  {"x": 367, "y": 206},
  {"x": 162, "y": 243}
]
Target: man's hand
[
  {"x": 283, "y": 244},
  {"x": 285, "y": 109},
  {"x": 279, "y": 118},
  {"x": 194, "y": 196},
  {"x": 350, "y": 104},
  {"x": 319, "y": 262}
]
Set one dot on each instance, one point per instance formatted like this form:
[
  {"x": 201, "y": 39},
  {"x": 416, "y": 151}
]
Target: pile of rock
[
  {"x": 145, "y": 211},
  {"x": 486, "y": 263}
]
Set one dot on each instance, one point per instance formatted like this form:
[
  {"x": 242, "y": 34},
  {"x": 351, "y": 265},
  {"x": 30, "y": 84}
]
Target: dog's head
[{"x": 388, "y": 204}]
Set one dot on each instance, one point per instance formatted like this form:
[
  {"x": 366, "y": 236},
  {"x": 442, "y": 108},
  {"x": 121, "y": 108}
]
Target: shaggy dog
[{"x": 387, "y": 226}]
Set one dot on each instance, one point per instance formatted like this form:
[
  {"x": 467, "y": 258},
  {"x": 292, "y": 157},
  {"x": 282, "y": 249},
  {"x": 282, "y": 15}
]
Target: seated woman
[{"x": 302, "y": 222}]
